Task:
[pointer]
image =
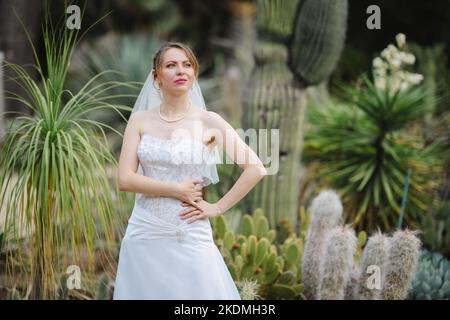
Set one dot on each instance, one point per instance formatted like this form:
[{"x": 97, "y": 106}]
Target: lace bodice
[{"x": 175, "y": 160}]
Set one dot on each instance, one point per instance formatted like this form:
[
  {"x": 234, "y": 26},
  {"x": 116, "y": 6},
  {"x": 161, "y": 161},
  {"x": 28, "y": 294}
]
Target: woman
[{"x": 168, "y": 250}]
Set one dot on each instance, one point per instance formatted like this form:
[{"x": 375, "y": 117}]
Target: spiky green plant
[
  {"x": 61, "y": 201},
  {"x": 364, "y": 150}
]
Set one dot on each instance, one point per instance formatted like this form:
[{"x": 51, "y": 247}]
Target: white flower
[
  {"x": 378, "y": 63},
  {"x": 409, "y": 58},
  {"x": 401, "y": 40},
  {"x": 386, "y": 53},
  {"x": 396, "y": 63},
  {"x": 415, "y": 78}
]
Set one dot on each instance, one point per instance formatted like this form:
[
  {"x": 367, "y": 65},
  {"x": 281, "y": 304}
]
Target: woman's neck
[{"x": 174, "y": 105}]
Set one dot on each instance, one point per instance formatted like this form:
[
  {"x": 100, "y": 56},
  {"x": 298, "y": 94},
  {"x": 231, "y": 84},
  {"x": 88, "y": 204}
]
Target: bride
[{"x": 168, "y": 251}]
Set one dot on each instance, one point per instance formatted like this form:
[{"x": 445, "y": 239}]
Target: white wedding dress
[{"x": 161, "y": 255}]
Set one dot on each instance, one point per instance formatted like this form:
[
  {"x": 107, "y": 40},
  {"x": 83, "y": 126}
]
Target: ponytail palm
[{"x": 61, "y": 201}]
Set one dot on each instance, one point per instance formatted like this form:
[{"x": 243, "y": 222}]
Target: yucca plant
[
  {"x": 365, "y": 147},
  {"x": 62, "y": 201}
]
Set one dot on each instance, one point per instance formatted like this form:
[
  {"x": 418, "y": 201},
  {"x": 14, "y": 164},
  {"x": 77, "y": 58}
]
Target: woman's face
[{"x": 175, "y": 68}]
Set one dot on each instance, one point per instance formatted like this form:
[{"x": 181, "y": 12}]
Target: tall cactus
[
  {"x": 326, "y": 214},
  {"x": 275, "y": 96},
  {"x": 402, "y": 261},
  {"x": 375, "y": 254},
  {"x": 337, "y": 263}
]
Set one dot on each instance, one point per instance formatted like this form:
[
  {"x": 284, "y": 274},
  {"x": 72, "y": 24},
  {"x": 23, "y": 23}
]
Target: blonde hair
[{"x": 157, "y": 59}]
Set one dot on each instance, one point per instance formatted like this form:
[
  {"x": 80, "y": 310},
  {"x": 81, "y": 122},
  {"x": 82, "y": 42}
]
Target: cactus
[
  {"x": 432, "y": 279},
  {"x": 275, "y": 95},
  {"x": 333, "y": 250},
  {"x": 375, "y": 253},
  {"x": 336, "y": 263},
  {"x": 326, "y": 214},
  {"x": 248, "y": 289},
  {"x": 254, "y": 257},
  {"x": 402, "y": 260},
  {"x": 319, "y": 38}
]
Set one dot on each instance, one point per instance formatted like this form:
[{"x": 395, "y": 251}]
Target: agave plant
[
  {"x": 61, "y": 201},
  {"x": 364, "y": 149}
]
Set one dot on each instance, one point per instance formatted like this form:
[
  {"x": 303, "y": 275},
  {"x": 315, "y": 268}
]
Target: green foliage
[
  {"x": 52, "y": 208},
  {"x": 364, "y": 149},
  {"x": 255, "y": 255}
]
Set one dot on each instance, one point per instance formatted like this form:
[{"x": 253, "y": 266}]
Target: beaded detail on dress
[{"x": 175, "y": 160}]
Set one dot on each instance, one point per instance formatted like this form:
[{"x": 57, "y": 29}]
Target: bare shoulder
[
  {"x": 210, "y": 117},
  {"x": 214, "y": 120},
  {"x": 137, "y": 118}
]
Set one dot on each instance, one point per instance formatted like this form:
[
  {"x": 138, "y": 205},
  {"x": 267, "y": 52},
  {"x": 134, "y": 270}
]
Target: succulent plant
[{"x": 432, "y": 277}]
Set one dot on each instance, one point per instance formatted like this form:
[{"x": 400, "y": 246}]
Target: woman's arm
[
  {"x": 230, "y": 142},
  {"x": 131, "y": 181}
]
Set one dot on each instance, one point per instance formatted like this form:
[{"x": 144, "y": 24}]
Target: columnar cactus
[
  {"x": 403, "y": 254},
  {"x": 275, "y": 95},
  {"x": 334, "y": 268},
  {"x": 336, "y": 263},
  {"x": 326, "y": 214},
  {"x": 375, "y": 254}
]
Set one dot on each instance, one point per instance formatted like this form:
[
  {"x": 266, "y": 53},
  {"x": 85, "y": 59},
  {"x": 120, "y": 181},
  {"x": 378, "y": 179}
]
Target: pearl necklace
[{"x": 173, "y": 120}]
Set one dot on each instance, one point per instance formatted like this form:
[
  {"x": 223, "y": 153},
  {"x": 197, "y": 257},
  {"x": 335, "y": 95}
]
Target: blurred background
[{"x": 360, "y": 111}]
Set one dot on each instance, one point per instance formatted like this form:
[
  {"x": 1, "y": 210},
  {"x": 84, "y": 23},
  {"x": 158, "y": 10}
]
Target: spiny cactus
[
  {"x": 336, "y": 263},
  {"x": 319, "y": 38},
  {"x": 403, "y": 254},
  {"x": 331, "y": 263},
  {"x": 254, "y": 255},
  {"x": 375, "y": 254},
  {"x": 326, "y": 214},
  {"x": 286, "y": 62},
  {"x": 248, "y": 289}
]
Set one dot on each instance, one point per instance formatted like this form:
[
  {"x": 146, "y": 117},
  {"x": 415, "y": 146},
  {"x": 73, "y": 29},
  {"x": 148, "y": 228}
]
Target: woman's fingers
[
  {"x": 194, "y": 204},
  {"x": 190, "y": 214}
]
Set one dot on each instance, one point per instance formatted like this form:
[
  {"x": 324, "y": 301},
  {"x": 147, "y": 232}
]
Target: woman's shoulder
[{"x": 141, "y": 115}]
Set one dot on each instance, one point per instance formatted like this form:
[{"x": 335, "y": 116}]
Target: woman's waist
[{"x": 147, "y": 224}]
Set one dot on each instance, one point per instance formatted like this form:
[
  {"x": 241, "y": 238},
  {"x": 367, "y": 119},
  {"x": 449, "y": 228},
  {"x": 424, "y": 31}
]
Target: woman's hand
[
  {"x": 190, "y": 192},
  {"x": 207, "y": 210}
]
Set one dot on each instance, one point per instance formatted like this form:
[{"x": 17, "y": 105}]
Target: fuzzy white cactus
[
  {"x": 351, "y": 291},
  {"x": 248, "y": 289},
  {"x": 336, "y": 263},
  {"x": 402, "y": 260},
  {"x": 326, "y": 214},
  {"x": 373, "y": 265}
]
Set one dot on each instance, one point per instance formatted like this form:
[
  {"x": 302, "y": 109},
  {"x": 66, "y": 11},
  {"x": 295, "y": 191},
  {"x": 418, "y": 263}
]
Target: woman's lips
[{"x": 180, "y": 81}]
